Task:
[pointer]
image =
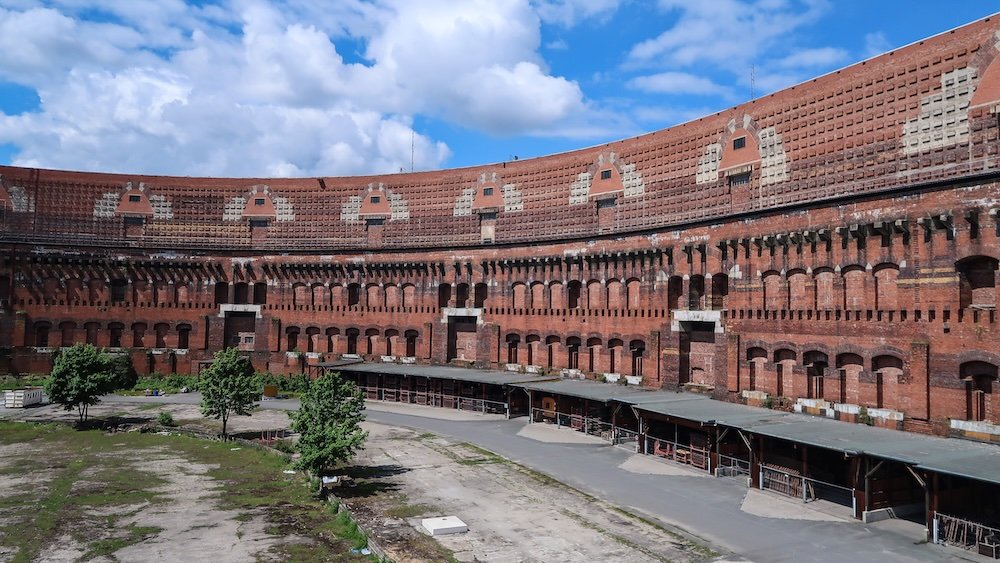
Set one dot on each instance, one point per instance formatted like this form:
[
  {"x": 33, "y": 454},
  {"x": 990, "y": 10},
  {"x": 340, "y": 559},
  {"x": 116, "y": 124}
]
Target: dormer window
[
  {"x": 134, "y": 199},
  {"x": 258, "y": 201},
  {"x": 605, "y": 174},
  {"x": 376, "y": 199},
  {"x": 487, "y": 191},
  {"x": 739, "y": 142}
]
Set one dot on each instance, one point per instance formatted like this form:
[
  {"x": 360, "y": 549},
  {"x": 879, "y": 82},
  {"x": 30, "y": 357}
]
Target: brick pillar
[
  {"x": 732, "y": 376},
  {"x": 685, "y": 300},
  {"x": 917, "y": 399},
  {"x": 670, "y": 359},
  {"x": 20, "y": 328}
]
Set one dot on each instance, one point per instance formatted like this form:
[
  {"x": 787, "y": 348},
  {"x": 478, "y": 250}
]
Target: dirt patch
[
  {"x": 145, "y": 497},
  {"x": 513, "y": 514}
]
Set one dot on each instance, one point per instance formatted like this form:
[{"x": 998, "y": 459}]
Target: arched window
[
  {"x": 854, "y": 289},
  {"x": 352, "y": 340},
  {"x": 720, "y": 290},
  {"x": 42, "y": 334},
  {"x": 462, "y": 295},
  {"x": 637, "y": 348},
  {"x": 139, "y": 335},
  {"x": 411, "y": 343},
  {"x": 977, "y": 282},
  {"x": 444, "y": 295},
  {"x": 353, "y": 295},
  {"x": 67, "y": 330},
  {"x": 292, "y": 338},
  {"x": 160, "y": 330},
  {"x": 512, "y": 342},
  {"x": 799, "y": 291},
  {"x": 675, "y": 287},
  {"x": 756, "y": 358},
  {"x": 979, "y": 378},
  {"x": 331, "y": 333},
  {"x": 481, "y": 292},
  {"x": 241, "y": 293},
  {"x": 573, "y": 291},
  {"x": 115, "y": 334},
  {"x": 885, "y": 287},
  {"x": 774, "y": 296},
  {"x": 816, "y": 364},
  {"x": 886, "y": 368},
  {"x": 573, "y": 352},
  {"x": 221, "y": 293},
  {"x": 183, "y": 336},
  {"x": 696, "y": 292},
  {"x": 260, "y": 293}
]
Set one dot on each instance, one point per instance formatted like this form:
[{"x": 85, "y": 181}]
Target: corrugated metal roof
[{"x": 594, "y": 391}]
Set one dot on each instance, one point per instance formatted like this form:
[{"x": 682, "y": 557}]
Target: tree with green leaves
[
  {"x": 81, "y": 374},
  {"x": 228, "y": 387},
  {"x": 329, "y": 423}
]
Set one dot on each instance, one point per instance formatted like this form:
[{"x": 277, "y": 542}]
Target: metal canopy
[
  {"x": 493, "y": 377},
  {"x": 592, "y": 390}
]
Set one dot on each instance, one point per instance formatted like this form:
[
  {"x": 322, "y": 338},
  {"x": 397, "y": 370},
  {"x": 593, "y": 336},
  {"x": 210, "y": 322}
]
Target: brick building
[{"x": 833, "y": 247}]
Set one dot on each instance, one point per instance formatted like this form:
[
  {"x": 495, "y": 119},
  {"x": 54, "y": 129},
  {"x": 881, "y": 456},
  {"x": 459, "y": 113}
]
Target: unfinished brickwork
[{"x": 832, "y": 247}]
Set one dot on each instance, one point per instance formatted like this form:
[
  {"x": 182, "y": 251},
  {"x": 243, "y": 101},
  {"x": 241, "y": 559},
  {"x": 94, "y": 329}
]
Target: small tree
[
  {"x": 329, "y": 423},
  {"x": 81, "y": 374},
  {"x": 228, "y": 387}
]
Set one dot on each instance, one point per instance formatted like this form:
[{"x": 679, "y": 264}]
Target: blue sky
[{"x": 311, "y": 88}]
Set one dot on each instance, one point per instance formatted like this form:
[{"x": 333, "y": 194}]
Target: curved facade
[{"x": 832, "y": 246}]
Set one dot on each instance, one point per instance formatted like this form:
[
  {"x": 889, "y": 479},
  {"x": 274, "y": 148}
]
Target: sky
[{"x": 308, "y": 88}]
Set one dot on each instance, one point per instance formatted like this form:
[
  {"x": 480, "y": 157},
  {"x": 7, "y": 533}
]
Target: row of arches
[
  {"x": 112, "y": 334},
  {"x": 847, "y": 371},
  {"x": 371, "y": 341},
  {"x": 586, "y": 354},
  {"x": 857, "y": 287}
]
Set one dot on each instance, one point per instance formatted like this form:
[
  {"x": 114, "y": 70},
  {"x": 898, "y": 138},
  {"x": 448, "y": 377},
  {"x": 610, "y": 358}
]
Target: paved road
[{"x": 707, "y": 508}]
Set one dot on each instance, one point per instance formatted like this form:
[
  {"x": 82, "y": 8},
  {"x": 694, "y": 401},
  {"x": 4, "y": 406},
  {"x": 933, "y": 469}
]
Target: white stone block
[{"x": 444, "y": 525}]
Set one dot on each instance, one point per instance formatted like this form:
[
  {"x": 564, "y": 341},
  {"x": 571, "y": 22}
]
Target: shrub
[
  {"x": 298, "y": 383},
  {"x": 165, "y": 418}
]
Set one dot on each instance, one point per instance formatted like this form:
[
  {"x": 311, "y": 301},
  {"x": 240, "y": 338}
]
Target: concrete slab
[
  {"x": 552, "y": 434},
  {"x": 444, "y": 525},
  {"x": 769, "y": 505},
  {"x": 652, "y": 465}
]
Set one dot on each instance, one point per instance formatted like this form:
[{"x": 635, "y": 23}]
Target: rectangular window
[
  {"x": 739, "y": 142},
  {"x": 134, "y": 198},
  {"x": 487, "y": 191},
  {"x": 605, "y": 174},
  {"x": 739, "y": 179},
  {"x": 258, "y": 201},
  {"x": 376, "y": 199}
]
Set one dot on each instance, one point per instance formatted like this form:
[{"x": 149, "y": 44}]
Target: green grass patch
[
  {"x": 107, "y": 547},
  {"x": 83, "y": 471},
  {"x": 8, "y": 382},
  {"x": 409, "y": 510}
]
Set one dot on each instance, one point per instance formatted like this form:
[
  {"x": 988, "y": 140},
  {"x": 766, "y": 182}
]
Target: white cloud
[
  {"x": 258, "y": 88},
  {"x": 570, "y": 12},
  {"x": 676, "y": 83},
  {"x": 823, "y": 57},
  {"x": 724, "y": 33},
  {"x": 876, "y": 44}
]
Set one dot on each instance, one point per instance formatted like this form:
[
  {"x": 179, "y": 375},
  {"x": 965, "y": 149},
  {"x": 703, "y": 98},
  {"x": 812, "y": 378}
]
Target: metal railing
[
  {"x": 966, "y": 534},
  {"x": 730, "y": 466},
  {"x": 435, "y": 400},
  {"x": 681, "y": 453},
  {"x": 805, "y": 488}
]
